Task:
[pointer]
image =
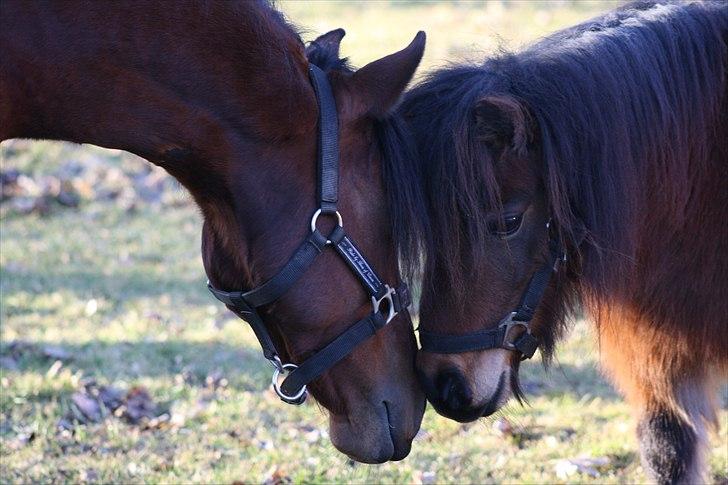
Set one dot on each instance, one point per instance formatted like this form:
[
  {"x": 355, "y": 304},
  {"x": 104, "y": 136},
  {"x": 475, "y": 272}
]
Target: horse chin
[{"x": 372, "y": 434}]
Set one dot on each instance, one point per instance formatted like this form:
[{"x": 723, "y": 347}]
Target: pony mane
[{"x": 615, "y": 101}]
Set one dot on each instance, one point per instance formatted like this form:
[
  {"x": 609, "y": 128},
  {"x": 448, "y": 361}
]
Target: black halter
[
  {"x": 245, "y": 303},
  {"x": 504, "y": 336}
]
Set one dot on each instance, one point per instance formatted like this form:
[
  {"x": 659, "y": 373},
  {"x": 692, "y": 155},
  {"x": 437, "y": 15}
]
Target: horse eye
[{"x": 507, "y": 227}]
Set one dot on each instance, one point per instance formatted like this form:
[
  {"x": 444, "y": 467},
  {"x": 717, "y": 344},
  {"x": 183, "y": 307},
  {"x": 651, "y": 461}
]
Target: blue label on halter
[{"x": 359, "y": 264}]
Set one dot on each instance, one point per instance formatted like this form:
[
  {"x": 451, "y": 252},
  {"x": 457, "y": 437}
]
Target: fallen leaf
[
  {"x": 503, "y": 426},
  {"x": 564, "y": 469},
  {"x": 138, "y": 406},
  {"x": 216, "y": 380},
  {"x": 163, "y": 421},
  {"x": 88, "y": 407},
  {"x": 112, "y": 397},
  {"x": 424, "y": 477},
  {"x": 584, "y": 465},
  {"x": 276, "y": 476},
  {"x": 312, "y": 436},
  {"x": 89, "y": 475},
  {"x": 28, "y": 185},
  {"x": 54, "y": 369},
  {"x": 265, "y": 445},
  {"x": 64, "y": 424},
  {"x": 21, "y": 440},
  {"x": 91, "y": 307},
  {"x": 67, "y": 197}
]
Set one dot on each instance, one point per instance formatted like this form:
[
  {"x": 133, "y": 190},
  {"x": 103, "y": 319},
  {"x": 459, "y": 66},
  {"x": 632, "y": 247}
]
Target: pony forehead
[{"x": 585, "y": 115}]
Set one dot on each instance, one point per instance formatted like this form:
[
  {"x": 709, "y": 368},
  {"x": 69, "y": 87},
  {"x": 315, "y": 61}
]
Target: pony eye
[{"x": 507, "y": 226}]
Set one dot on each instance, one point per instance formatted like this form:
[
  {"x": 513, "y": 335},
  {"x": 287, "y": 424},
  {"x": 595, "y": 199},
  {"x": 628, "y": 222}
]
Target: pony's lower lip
[
  {"x": 492, "y": 406},
  {"x": 462, "y": 417}
]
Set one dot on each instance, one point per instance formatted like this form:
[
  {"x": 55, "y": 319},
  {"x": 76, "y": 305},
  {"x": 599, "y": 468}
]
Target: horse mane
[
  {"x": 405, "y": 201},
  {"x": 616, "y": 102}
]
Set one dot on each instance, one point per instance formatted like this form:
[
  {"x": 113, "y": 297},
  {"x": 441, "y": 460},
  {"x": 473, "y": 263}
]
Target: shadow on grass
[
  {"x": 178, "y": 361},
  {"x": 580, "y": 381},
  {"x": 245, "y": 368},
  {"x": 560, "y": 379},
  {"x": 118, "y": 286}
]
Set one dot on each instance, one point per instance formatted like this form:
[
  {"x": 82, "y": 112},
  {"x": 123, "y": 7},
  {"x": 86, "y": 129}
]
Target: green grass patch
[{"x": 122, "y": 293}]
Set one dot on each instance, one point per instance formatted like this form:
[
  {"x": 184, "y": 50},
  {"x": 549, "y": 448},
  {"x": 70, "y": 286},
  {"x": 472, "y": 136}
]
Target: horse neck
[{"x": 183, "y": 86}]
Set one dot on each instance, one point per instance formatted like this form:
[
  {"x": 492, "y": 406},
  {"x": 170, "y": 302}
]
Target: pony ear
[
  {"x": 328, "y": 42},
  {"x": 501, "y": 123},
  {"x": 379, "y": 84}
]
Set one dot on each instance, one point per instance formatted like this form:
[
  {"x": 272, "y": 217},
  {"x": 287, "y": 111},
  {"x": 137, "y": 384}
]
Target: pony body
[{"x": 616, "y": 130}]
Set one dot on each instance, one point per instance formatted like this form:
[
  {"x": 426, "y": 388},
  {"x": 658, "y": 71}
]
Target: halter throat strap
[{"x": 387, "y": 302}]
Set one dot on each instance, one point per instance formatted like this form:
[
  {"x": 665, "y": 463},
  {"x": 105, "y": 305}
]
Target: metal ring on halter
[
  {"x": 509, "y": 323},
  {"x": 276, "y": 362},
  {"x": 294, "y": 399},
  {"x": 318, "y": 213},
  {"x": 387, "y": 296}
]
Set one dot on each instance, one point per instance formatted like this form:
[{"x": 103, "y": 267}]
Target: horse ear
[
  {"x": 380, "y": 83},
  {"x": 500, "y": 122},
  {"x": 328, "y": 42}
]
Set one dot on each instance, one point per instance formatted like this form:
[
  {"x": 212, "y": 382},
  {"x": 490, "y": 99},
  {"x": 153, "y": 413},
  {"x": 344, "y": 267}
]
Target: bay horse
[
  {"x": 220, "y": 95},
  {"x": 588, "y": 170}
]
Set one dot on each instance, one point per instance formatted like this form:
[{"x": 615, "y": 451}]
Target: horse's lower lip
[
  {"x": 462, "y": 417},
  {"x": 401, "y": 448},
  {"x": 393, "y": 450},
  {"x": 389, "y": 419}
]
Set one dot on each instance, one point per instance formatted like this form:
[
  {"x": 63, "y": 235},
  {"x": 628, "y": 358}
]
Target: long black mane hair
[{"x": 617, "y": 101}]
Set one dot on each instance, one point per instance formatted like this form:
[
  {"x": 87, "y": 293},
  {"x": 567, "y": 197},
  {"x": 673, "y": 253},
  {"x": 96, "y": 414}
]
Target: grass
[{"x": 123, "y": 293}]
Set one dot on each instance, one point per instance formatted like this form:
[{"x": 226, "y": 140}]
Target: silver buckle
[
  {"x": 316, "y": 215},
  {"x": 387, "y": 296},
  {"x": 509, "y": 324},
  {"x": 279, "y": 373}
]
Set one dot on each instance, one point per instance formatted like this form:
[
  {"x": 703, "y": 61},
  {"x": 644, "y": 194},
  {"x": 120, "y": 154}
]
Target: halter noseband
[
  {"x": 244, "y": 304},
  {"x": 504, "y": 336}
]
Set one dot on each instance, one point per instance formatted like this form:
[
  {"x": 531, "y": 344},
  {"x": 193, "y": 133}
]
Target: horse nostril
[{"x": 454, "y": 392}]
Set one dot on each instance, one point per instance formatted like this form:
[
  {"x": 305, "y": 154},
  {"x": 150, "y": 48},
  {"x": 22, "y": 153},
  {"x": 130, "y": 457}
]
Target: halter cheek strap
[
  {"x": 387, "y": 302},
  {"x": 505, "y": 335}
]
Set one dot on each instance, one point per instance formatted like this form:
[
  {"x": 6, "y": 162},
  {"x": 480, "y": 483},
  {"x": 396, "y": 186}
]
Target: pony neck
[{"x": 166, "y": 84}]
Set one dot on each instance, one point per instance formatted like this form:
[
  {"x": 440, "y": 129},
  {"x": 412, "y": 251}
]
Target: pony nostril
[{"x": 454, "y": 393}]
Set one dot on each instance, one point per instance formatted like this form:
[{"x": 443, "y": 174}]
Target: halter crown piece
[{"x": 386, "y": 301}]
